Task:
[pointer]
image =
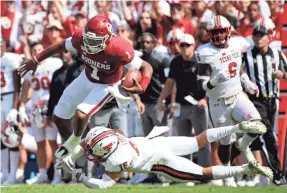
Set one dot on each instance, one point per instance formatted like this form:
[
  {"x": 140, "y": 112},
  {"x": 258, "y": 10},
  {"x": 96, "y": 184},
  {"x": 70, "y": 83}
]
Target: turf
[{"x": 137, "y": 189}]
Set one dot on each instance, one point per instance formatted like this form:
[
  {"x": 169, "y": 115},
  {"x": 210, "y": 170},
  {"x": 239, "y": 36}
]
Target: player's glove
[
  {"x": 12, "y": 116},
  {"x": 64, "y": 160},
  {"x": 249, "y": 86},
  {"x": 23, "y": 116},
  {"x": 222, "y": 76},
  {"x": 78, "y": 175}
]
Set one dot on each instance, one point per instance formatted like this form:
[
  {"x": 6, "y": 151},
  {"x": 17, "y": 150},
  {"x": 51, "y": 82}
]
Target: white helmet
[
  {"x": 40, "y": 112},
  {"x": 174, "y": 35},
  {"x": 11, "y": 135},
  {"x": 268, "y": 24},
  {"x": 100, "y": 143},
  {"x": 218, "y": 29}
]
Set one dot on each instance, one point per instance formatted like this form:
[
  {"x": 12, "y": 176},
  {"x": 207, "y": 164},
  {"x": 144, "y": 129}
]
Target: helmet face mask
[
  {"x": 219, "y": 31},
  {"x": 93, "y": 44},
  {"x": 97, "y": 34},
  {"x": 219, "y": 37},
  {"x": 100, "y": 143}
]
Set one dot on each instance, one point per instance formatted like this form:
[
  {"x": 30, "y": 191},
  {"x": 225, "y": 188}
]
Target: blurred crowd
[{"x": 156, "y": 30}]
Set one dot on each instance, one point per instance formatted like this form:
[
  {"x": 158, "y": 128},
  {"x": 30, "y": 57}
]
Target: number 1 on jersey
[{"x": 94, "y": 74}]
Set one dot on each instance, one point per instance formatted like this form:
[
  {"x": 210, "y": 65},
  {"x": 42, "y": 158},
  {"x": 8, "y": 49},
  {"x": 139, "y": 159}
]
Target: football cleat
[
  {"x": 252, "y": 127},
  {"x": 256, "y": 168}
]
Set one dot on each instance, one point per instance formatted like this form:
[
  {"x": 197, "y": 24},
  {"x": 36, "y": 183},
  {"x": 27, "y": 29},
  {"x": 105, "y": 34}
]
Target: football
[{"x": 128, "y": 81}]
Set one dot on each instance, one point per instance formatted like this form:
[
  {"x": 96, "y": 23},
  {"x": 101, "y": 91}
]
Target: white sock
[
  {"x": 57, "y": 174},
  {"x": 43, "y": 171},
  {"x": 220, "y": 172},
  {"x": 214, "y": 134},
  {"x": 247, "y": 140},
  {"x": 14, "y": 161},
  {"x": 5, "y": 162},
  {"x": 19, "y": 173}
]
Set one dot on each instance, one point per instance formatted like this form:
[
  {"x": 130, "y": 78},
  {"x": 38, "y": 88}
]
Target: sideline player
[
  {"x": 10, "y": 89},
  {"x": 156, "y": 154},
  {"x": 45, "y": 135},
  {"x": 220, "y": 75},
  {"x": 104, "y": 55}
]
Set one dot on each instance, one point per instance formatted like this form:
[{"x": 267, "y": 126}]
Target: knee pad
[{"x": 224, "y": 152}]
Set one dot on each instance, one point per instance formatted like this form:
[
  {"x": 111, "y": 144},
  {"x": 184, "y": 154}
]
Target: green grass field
[{"x": 137, "y": 189}]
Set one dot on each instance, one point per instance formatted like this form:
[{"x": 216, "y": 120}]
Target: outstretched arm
[
  {"x": 32, "y": 63},
  {"x": 107, "y": 181}
]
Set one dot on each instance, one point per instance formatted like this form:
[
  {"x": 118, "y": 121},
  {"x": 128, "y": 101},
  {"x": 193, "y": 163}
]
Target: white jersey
[
  {"x": 220, "y": 59},
  {"x": 9, "y": 63},
  {"x": 40, "y": 81},
  {"x": 135, "y": 154}
]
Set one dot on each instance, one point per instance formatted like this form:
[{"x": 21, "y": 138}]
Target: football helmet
[
  {"x": 100, "y": 143},
  {"x": 269, "y": 25},
  {"x": 218, "y": 29},
  {"x": 172, "y": 39},
  {"x": 40, "y": 112},
  {"x": 11, "y": 135},
  {"x": 97, "y": 34}
]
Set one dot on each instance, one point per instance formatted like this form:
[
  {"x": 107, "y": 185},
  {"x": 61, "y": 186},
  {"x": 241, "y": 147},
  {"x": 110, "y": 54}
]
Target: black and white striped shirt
[{"x": 260, "y": 67}]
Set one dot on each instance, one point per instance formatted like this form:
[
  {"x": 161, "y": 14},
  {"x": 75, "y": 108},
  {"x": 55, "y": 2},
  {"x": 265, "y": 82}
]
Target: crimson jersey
[{"x": 105, "y": 67}]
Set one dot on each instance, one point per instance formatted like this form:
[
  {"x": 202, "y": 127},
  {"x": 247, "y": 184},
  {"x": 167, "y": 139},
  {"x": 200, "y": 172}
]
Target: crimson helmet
[
  {"x": 100, "y": 143},
  {"x": 97, "y": 34},
  {"x": 218, "y": 29}
]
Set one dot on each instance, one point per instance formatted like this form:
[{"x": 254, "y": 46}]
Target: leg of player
[
  {"x": 65, "y": 126},
  {"x": 179, "y": 169},
  {"x": 4, "y": 162}
]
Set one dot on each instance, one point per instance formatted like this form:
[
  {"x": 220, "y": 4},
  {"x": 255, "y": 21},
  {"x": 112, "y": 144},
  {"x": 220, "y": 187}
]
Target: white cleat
[
  {"x": 252, "y": 127},
  {"x": 256, "y": 168},
  {"x": 216, "y": 183},
  {"x": 10, "y": 180},
  {"x": 39, "y": 179},
  {"x": 230, "y": 182}
]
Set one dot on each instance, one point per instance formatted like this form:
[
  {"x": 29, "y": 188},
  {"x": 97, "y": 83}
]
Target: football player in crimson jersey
[
  {"x": 155, "y": 154},
  {"x": 105, "y": 55},
  {"x": 221, "y": 75}
]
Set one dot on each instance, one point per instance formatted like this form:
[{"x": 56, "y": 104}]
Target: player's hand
[
  {"x": 252, "y": 89},
  {"x": 26, "y": 66},
  {"x": 278, "y": 74},
  {"x": 64, "y": 159},
  {"x": 12, "y": 116},
  {"x": 141, "y": 106},
  {"x": 202, "y": 103},
  {"x": 222, "y": 76},
  {"x": 23, "y": 116},
  {"x": 49, "y": 122},
  {"x": 171, "y": 112},
  {"x": 135, "y": 89},
  {"x": 160, "y": 105},
  {"x": 78, "y": 175}
]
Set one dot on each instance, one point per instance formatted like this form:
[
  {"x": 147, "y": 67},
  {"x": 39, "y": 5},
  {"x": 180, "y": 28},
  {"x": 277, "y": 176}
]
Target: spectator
[
  {"x": 201, "y": 36},
  {"x": 53, "y": 32},
  {"x": 151, "y": 116},
  {"x": 276, "y": 16},
  {"x": 178, "y": 20},
  {"x": 200, "y": 12},
  {"x": 247, "y": 23},
  {"x": 124, "y": 31},
  {"x": 194, "y": 114}
]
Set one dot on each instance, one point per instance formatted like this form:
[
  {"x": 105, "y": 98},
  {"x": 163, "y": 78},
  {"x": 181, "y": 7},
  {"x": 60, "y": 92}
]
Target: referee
[{"x": 265, "y": 66}]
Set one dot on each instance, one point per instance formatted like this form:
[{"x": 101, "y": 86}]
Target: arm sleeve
[
  {"x": 69, "y": 46},
  {"x": 135, "y": 64},
  {"x": 104, "y": 183}
]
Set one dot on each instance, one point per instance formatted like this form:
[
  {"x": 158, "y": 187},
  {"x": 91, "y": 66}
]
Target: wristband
[
  {"x": 39, "y": 57},
  {"x": 209, "y": 86},
  {"x": 144, "y": 82}
]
